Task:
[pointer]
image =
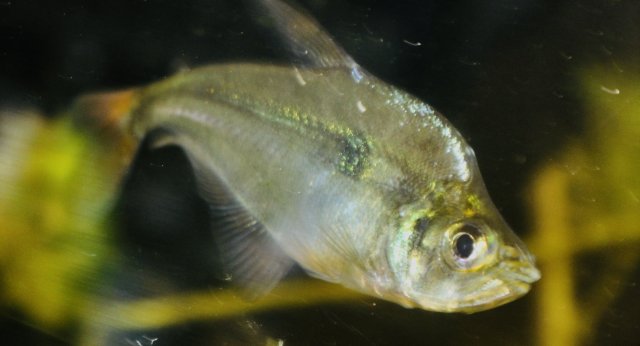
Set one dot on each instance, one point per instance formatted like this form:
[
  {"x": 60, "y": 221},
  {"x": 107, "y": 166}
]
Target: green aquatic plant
[
  {"x": 585, "y": 205},
  {"x": 58, "y": 186}
]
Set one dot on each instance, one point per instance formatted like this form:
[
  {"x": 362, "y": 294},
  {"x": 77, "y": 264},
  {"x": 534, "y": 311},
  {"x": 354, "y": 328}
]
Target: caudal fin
[{"x": 108, "y": 115}]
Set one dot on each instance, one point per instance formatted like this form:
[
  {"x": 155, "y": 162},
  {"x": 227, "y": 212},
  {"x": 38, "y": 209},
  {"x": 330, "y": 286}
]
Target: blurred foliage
[
  {"x": 586, "y": 207},
  {"x": 58, "y": 184}
]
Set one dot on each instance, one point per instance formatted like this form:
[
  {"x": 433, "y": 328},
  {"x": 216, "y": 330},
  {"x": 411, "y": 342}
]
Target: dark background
[{"x": 504, "y": 72}]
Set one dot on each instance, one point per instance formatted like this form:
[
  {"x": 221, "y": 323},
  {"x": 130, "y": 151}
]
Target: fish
[{"x": 323, "y": 165}]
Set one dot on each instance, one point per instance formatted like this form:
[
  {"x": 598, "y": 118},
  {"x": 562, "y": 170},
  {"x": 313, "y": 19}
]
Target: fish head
[{"x": 455, "y": 253}]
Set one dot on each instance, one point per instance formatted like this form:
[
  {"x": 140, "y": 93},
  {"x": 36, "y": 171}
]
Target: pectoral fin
[{"x": 249, "y": 254}]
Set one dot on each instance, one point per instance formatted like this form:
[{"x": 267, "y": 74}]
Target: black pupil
[{"x": 464, "y": 245}]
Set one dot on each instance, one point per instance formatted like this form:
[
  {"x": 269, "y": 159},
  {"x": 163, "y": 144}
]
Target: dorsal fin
[{"x": 306, "y": 38}]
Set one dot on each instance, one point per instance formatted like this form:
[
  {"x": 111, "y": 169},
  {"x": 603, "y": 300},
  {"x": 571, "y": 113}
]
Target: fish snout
[{"x": 520, "y": 263}]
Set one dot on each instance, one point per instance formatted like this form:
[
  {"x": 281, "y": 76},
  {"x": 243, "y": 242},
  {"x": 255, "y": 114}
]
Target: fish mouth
[
  {"x": 518, "y": 271},
  {"x": 494, "y": 290},
  {"x": 513, "y": 280},
  {"x": 518, "y": 264},
  {"x": 515, "y": 277},
  {"x": 493, "y": 298}
]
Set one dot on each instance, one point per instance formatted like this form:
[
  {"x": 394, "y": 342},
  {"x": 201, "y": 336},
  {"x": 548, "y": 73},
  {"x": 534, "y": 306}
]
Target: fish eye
[
  {"x": 464, "y": 240},
  {"x": 463, "y": 245},
  {"x": 467, "y": 246}
]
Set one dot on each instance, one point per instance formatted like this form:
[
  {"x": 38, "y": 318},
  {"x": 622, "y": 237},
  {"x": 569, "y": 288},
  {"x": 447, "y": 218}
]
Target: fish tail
[
  {"x": 108, "y": 116},
  {"x": 107, "y": 112}
]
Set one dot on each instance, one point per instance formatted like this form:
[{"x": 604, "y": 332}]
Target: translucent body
[{"x": 339, "y": 170}]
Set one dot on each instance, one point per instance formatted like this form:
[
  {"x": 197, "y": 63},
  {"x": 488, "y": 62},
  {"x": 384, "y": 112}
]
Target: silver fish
[{"x": 324, "y": 165}]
